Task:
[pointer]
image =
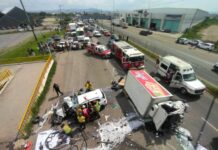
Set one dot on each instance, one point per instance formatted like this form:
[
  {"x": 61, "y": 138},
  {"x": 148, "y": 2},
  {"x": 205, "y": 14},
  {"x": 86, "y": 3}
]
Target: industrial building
[{"x": 165, "y": 19}]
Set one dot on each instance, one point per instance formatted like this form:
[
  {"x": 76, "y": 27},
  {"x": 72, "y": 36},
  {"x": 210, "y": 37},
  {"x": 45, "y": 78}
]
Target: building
[
  {"x": 165, "y": 19},
  {"x": 12, "y": 18}
]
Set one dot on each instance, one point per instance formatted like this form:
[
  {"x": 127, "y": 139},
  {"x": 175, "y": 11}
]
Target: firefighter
[
  {"x": 82, "y": 121},
  {"x": 88, "y": 86},
  {"x": 67, "y": 129},
  {"x": 97, "y": 108},
  {"x": 86, "y": 113}
]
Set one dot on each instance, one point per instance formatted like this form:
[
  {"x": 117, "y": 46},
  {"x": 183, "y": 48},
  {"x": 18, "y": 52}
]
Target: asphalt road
[
  {"x": 199, "y": 107},
  {"x": 12, "y": 39},
  {"x": 201, "y": 60}
]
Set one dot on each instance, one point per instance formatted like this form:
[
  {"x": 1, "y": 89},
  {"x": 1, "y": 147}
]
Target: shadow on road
[{"x": 214, "y": 144}]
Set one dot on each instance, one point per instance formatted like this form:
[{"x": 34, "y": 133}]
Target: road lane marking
[{"x": 212, "y": 126}]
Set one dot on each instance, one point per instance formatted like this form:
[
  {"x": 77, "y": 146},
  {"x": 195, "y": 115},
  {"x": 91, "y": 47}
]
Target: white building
[{"x": 173, "y": 19}]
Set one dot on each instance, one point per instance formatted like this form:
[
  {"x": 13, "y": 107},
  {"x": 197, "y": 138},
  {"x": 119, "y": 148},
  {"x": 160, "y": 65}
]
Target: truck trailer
[{"x": 152, "y": 101}]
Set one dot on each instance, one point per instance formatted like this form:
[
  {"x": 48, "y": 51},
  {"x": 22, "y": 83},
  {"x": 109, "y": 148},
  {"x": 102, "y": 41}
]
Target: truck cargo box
[{"x": 144, "y": 91}]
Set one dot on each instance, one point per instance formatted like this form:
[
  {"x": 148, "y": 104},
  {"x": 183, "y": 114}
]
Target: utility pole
[
  {"x": 193, "y": 19},
  {"x": 60, "y": 16},
  {"x": 113, "y": 16},
  {"x": 28, "y": 19}
]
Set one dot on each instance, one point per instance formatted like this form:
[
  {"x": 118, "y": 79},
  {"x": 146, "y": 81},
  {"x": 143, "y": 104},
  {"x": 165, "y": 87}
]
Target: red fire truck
[{"x": 129, "y": 56}]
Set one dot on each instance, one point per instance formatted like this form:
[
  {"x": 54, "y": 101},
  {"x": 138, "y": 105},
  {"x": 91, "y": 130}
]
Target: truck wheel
[{"x": 183, "y": 91}]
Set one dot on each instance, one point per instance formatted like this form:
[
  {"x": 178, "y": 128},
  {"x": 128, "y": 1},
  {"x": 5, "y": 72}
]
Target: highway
[
  {"x": 199, "y": 107},
  {"x": 201, "y": 60}
]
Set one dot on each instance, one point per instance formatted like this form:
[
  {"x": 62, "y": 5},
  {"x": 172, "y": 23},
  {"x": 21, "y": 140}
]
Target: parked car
[
  {"x": 114, "y": 37},
  {"x": 56, "y": 38},
  {"x": 145, "y": 32},
  {"x": 206, "y": 46},
  {"x": 61, "y": 46},
  {"x": 194, "y": 42},
  {"x": 167, "y": 30},
  {"x": 96, "y": 34},
  {"x": 184, "y": 41},
  {"x": 107, "y": 33},
  {"x": 215, "y": 67}
]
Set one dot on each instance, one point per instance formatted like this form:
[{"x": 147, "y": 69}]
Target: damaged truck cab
[{"x": 152, "y": 101}]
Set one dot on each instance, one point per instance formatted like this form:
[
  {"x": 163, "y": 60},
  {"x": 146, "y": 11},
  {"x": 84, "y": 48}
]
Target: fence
[{"x": 33, "y": 97}]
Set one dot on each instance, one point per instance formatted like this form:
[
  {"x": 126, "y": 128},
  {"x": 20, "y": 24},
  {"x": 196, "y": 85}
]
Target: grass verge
[
  {"x": 23, "y": 59},
  {"x": 20, "y": 50},
  {"x": 36, "y": 106}
]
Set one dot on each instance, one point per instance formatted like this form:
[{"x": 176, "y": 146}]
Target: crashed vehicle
[
  {"x": 100, "y": 50},
  {"x": 61, "y": 46},
  {"x": 70, "y": 103},
  {"x": 153, "y": 102}
]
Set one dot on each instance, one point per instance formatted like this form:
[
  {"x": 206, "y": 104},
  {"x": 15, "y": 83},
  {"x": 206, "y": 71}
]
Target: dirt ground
[
  {"x": 49, "y": 21},
  {"x": 15, "y": 97},
  {"x": 210, "y": 33}
]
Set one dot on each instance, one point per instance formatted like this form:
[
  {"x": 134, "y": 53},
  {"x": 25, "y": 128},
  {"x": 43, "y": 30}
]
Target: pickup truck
[{"x": 100, "y": 50}]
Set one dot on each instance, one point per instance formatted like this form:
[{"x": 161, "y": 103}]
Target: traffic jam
[{"x": 154, "y": 107}]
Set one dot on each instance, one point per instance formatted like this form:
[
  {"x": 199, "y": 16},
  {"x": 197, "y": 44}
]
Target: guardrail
[
  {"x": 33, "y": 98},
  {"x": 5, "y": 75}
]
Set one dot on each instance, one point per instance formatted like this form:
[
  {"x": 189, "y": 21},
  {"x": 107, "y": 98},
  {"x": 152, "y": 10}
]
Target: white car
[
  {"x": 184, "y": 41},
  {"x": 75, "y": 101},
  {"x": 96, "y": 34},
  {"x": 206, "y": 46}
]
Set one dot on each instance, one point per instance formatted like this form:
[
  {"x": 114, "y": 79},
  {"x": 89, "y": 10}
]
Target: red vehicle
[
  {"x": 107, "y": 33},
  {"x": 100, "y": 50},
  {"x": 129, "y": 56}
]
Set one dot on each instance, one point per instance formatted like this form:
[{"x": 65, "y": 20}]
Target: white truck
[
  {"x": 152, "y": 101},
  {"x": 120, "y": 22},
  {"x": 72, "y": 27},
  {"x": 180, "y": 75}
]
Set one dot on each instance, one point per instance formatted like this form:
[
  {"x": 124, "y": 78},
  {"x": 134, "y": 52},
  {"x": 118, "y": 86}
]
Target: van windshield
[{"x": 189, "y": 77}]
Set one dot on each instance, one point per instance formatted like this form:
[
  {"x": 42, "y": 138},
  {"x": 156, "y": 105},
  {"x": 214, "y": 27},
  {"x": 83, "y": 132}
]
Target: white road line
[{"x": 212, "y": 126}]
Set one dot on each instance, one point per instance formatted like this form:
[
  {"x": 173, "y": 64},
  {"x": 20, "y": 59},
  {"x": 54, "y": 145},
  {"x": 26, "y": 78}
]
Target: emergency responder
[
  {"x": 57, "y": 89},
  {"x": 67, "y": 129},
  {"x": 82, "y": 120},
  {"x": 97, "y": 108},
  {"x": 86, "y": 113},
  {"x": 88, "y": 86}
]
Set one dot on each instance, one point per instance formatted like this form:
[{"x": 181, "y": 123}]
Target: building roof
[{"x": 12, "y": 17}]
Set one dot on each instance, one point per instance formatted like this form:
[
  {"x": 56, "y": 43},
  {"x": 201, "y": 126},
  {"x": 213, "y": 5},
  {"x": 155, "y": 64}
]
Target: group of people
[{"x": 82, "y": 115}]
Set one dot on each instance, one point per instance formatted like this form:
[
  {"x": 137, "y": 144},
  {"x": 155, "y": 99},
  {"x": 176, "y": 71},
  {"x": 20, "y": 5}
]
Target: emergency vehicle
[
  {"x": 100, "y": 50},
  {"x": 129, "y": 56}
]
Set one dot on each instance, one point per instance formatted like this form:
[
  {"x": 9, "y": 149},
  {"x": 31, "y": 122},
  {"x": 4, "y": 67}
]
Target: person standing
[
  {"x": 88, "y": 86},
  {"x": 57, "y": 89},
  {"x": 82, "y": 120},
  {"x": 86, "y": 113},
  {"x": 67, "y": 129}
]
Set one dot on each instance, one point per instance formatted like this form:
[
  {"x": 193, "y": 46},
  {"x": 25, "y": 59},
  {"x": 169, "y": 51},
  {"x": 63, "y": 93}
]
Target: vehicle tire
[{"x": 183, "y": 91}]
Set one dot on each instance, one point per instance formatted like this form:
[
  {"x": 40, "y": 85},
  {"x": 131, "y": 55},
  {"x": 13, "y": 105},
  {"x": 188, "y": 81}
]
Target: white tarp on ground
[
  {"x": 113, "y": 133},
  {"x": 42, "y": 136}
]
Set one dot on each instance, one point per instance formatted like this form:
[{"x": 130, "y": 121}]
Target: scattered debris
[{"x": 114, "y": 133}]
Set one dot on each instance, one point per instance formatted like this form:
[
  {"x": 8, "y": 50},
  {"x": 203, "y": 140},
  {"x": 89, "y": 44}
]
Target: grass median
[{"x": 19, "y": 53}]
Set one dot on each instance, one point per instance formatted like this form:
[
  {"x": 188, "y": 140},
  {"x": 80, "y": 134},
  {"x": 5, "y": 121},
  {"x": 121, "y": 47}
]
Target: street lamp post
[{"x": 28, "y": 19}]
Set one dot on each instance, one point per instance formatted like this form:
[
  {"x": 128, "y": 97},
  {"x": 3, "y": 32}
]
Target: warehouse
[{"x": 165, "y": 19}]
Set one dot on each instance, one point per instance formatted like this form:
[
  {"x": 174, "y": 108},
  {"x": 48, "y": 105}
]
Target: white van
[{"x": 181, "y": 75}]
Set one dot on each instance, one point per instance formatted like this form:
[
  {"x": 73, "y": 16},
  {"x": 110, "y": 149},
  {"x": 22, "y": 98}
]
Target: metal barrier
[
  {"x": 33, "y": 98},
  {"x": 5, "y": 76}
]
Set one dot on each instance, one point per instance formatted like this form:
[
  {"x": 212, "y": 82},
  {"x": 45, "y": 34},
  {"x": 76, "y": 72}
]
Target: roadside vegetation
[
  {"x": 194, "y": 32},
  {"x": 19, "y": 53},
  {"x": 35, "y": 108}
]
